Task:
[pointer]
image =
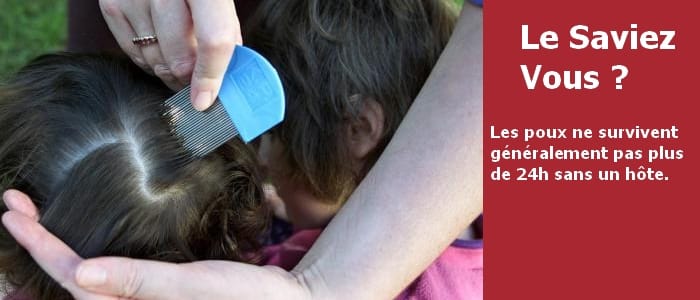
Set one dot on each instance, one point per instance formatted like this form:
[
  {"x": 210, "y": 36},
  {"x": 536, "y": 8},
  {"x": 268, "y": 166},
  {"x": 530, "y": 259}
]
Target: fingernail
[
  {"x": 9, "y": 224},
  {"x": 138, "y": 61},
  {"x": 203, "y": 101},
  {"x": 90, "y": 275},
  {"x": 10, "y": 199}
]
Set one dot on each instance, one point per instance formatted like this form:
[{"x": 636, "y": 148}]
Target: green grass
[{"x": 29, "y": 28}]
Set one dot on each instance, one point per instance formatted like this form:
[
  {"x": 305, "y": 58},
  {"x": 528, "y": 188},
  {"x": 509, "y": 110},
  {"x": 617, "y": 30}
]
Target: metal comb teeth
[{"x": 200, "y": 132}]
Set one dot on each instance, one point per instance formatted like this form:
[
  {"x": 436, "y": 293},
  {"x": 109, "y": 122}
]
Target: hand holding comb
[{"x": 250, "y": 102}]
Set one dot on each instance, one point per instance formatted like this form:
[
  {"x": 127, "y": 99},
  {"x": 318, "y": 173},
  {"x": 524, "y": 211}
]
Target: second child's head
[{"x": 350, "y": 70}]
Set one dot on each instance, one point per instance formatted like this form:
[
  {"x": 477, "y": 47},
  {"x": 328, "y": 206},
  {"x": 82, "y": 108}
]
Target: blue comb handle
[{"x": 252, "y": 93}]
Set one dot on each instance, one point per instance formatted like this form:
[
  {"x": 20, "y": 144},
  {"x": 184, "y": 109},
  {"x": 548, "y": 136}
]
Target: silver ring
[{"x": 144, "y": 40}]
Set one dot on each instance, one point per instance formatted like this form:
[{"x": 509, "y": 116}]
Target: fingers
[
  {"x": 195, "y": 37},
  {"x": 132, "y": 278},
  {"x": 173, "y": 24},
  {"x": 122, "y": 31},
  {"x": 43, "y": 246},
  {"x": 130, "y": 19},
  {"x": 52, "y": 255},
  {"x": 19, "y": 202},
  {"x": 142, "y": 23},
  {"x": 217, "y": 31}
]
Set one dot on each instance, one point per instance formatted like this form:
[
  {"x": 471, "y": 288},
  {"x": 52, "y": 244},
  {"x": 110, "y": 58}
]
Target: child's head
[
  {"x": 84, "y": 136},
  {"x": 350, "y": 70}
]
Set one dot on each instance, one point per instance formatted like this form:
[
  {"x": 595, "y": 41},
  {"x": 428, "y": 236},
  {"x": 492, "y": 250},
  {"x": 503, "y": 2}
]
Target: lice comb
[{"x": 250, "y": 102}]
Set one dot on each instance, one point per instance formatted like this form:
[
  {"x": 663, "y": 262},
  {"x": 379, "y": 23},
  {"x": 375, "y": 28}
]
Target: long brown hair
[
  {"x": 329, "y": 53},
  {"x": 84, "y": 137}
]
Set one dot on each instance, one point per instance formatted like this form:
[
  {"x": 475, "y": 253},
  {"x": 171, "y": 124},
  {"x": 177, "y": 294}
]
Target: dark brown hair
[
  {"x": 331, "y": 52},
  {"x": 84, "y": 137}
]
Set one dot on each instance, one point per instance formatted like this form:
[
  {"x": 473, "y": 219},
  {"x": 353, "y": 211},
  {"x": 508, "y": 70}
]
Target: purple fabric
[
  {"x": 468, "y": 244},
  {"x": 478, "y": 227}
]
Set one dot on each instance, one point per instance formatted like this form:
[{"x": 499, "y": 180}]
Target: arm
[
  {"x": 424, "y": 190},
  {"x": 418, "y": 197}
]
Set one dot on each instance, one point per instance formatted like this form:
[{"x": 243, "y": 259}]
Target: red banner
[{"x": 591, "y": 149}]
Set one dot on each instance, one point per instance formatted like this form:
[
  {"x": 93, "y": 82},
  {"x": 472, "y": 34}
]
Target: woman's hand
[
  {"x": 141, "y": 279},
  {"x": 196, "y": 39}
]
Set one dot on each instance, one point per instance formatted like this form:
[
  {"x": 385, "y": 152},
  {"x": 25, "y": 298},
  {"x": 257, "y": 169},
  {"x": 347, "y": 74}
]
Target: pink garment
[
  {"x": 456, "y": 274},
  {"x": 16, "y": 295},
  {"x": 287, "y": 254}
]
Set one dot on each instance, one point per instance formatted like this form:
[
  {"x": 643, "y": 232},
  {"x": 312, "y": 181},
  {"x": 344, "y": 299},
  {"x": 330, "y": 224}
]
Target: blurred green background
[
  {"x": 32, "y": 27},
  {"x": 29, "y": 28}
]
